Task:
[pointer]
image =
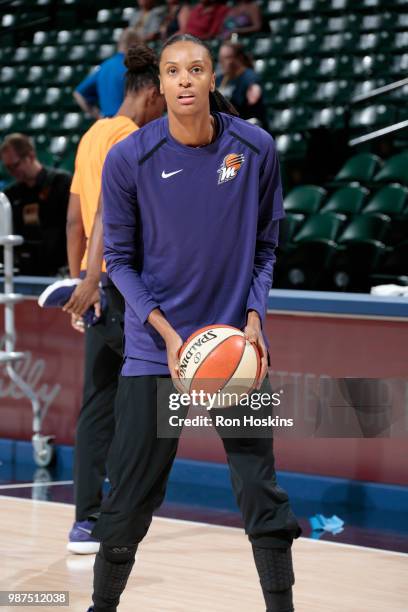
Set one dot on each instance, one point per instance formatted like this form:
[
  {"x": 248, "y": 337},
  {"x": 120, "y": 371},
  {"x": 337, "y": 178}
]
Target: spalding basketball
[{"x": 219, "y": 359}]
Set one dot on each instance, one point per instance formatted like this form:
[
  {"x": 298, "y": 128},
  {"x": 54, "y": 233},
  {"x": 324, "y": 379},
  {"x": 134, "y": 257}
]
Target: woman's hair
[
  {"x": 217, "y": 101},
  {"x": 239, "y": 53},
  {"x": 142, "y": 68}
]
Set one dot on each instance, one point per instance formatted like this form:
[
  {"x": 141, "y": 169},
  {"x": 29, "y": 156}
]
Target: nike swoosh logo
[
  {"x": 168, "y": 174},
  {"x": 88, "y": 531}
]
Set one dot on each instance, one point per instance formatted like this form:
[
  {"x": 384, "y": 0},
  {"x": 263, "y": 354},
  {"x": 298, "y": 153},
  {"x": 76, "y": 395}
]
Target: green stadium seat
[
  {"x": 361, "y": 247},
  {"x": 373, "y": 42},
  {"x": 366, "y": 86},
  {"x": 400, "y": 42},
  {"x": 288, "y": 226},
  {"x": 292, "y": 119},
  {"x": 341, "y": 23},
  {"x": 336, "y": 43},
  {"x": 347, "y": 200},
  {"x": 21, "y": 97},
  {"x": 320, "y": 227},
  {"x": 307, "y": 260},
  {"x": 291, "y": 145},
  {"x": 22, "y": 55},
  {"x": 394, "y": 169},
  {"x": 361, "y": 168},
  {"x": 365, "y": 228},
  {"x": 267, "y": 69},
  {"x": 299, "y": 67},
  {"x": 329, "y": 117},
  {"x": 38, "y": 122},
  {"x": 8, "y": 74},
  {"x": 306, "y": 199},
  {"x": 390, "y": 200},
  {"x": 331, "y": 91},
  {"x": 299, "y": 45},
  {"x": 333, "y": 66},
  {"x": 373, "y": 116},
  {"x": 290, "y": 92},
  {"x": 393, "y": 267},
  {"x": 7, "y": 121},
  {"x": 35, "y": 74}
]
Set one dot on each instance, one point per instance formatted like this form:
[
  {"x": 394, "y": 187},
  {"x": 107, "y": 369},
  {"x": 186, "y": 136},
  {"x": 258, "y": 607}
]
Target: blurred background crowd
[{"x": 314, "y": 73}]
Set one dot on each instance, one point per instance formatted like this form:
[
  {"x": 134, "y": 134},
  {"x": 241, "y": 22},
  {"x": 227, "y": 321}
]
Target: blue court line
[
  {"x": 337, "y": 303},
  {"x": 311, "y": 489}
]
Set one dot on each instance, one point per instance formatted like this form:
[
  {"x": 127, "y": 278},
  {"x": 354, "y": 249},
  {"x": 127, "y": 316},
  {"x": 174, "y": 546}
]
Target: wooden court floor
[{"x": 192, "y": 567}]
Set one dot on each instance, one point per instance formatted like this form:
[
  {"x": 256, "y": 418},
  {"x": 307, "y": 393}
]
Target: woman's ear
[
  {"x": 212, "y": 84},
  {"x": 161, "y": 87}
]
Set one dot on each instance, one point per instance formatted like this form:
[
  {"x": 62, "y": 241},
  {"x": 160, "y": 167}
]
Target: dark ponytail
[
  {"x": 142, "y": 68},
  {"x": 218, "y": 103}
]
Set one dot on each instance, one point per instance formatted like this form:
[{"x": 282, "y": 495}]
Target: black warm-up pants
[
  {"x": 95, "y": 426},
  {"x": 139, "y": 464}
]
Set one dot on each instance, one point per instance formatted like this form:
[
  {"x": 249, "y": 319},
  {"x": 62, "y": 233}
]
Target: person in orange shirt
[{"x": 103, "y": 340}]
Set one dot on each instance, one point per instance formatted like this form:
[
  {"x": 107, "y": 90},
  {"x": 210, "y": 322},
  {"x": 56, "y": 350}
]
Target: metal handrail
[
  {"x": 374, "y": 93},
  {"x": 382, "y": 132}
]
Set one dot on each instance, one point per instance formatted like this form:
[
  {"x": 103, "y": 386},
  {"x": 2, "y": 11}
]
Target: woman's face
[{"x": 186, "y": 77}]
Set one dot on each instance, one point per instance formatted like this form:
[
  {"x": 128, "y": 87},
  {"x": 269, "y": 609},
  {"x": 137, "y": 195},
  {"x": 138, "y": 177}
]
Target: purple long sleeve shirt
[{"x": 191, "y": 230}]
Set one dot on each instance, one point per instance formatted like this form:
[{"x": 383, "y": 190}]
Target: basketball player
[
  {"x": 103, "y": 341},
  {"x": 188, "y": 242}
]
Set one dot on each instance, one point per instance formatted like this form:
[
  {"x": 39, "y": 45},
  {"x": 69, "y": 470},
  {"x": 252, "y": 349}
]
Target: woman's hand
[
  {"x": 78, "y": 323},
  {"x": 253, "y": 333},
  {"x": 85, "y": 295},
  {"x": 173, "y": 346}
]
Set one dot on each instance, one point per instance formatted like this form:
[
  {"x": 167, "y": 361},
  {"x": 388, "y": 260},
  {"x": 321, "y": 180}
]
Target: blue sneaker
[
  {"x": 91, "y": 609},
  {"x": 80, "y": 540},
  {"x": 57, "y": 295}
]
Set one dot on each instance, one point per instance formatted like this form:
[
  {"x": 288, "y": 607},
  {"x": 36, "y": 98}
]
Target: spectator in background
[
  {"x": 206, "y": 19},
  {"x": 147, "y": 20},
  {"x": 176, "y": 19},
  {"x": 102, "y": 92},
  {"x": 39, "y": 199},
  {"x": 240, "y": 84},
  {"x": 244, "y": 18}
]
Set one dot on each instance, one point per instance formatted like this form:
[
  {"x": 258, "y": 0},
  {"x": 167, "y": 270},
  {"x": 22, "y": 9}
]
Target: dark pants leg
[
  {"x": 265, "y": 508},
  {"x": 139, "y": 464},
  {"x": 95, "y": 425},
  {"x": 269, "y": 521}
]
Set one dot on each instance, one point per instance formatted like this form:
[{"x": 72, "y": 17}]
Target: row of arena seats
[
  {"x": 350, "y": 235},
  {"x": 280, "y": 121}
]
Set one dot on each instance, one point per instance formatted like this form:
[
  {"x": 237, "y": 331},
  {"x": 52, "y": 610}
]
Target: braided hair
[
  {"x": 142, "y": 68},
  {"x": 218, "y": 102}
]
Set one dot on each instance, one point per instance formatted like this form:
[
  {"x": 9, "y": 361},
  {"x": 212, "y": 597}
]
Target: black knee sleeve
[
  {"x": 275, "y": 570},
  {"x": 112, "y": 568}
]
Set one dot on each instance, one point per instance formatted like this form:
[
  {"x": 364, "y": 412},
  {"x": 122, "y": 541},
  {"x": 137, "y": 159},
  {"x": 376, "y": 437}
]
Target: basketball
[{"x": 219, "y": 358}]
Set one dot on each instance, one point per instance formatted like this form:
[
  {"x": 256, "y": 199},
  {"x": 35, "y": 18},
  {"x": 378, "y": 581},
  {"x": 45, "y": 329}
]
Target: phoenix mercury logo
[{"x": 230, "y": 167}]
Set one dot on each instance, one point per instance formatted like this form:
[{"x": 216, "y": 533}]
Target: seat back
[
  {"x": 323, "y": 226},
  {"x": 306, "y": 199},
  {"x": 359, "y": 168},
  {"x": 347, "y": 200},
  {"x": 365, "y": 227},
  {"x": 389, "y": 200}
]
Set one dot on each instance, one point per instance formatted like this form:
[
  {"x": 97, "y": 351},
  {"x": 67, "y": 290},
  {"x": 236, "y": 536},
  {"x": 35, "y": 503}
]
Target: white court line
[
  {"x": 190, "y": 523},
  {"x": 27, "y": 485}
]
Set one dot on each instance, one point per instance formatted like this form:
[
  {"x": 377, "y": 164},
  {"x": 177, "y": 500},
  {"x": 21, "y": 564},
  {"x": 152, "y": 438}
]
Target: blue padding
[
  {"x": 7, "y": 451},
  {"x": 337, "y": 303},
  {"x": 214, "y": 482}
]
